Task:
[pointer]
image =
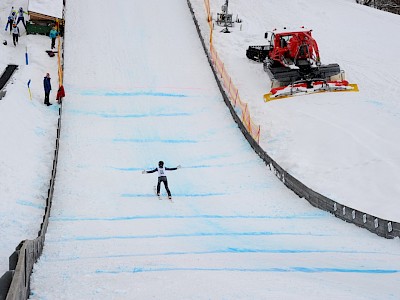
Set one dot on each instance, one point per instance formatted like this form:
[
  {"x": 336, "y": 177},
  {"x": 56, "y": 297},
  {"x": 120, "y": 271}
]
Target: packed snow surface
[{"x": 233, "y": 231}]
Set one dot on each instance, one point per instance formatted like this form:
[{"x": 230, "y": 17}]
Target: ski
[
  {"x": 159, "y": 196},
  {"x": 155, "y": 192}
]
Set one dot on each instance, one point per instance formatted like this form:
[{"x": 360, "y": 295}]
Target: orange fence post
[
  {"x": 209, "y": 18},
  {"x": 244, "y": 114},
  {"x": 207, "y": 5},
  {"x": 237, "y": 94},
  {"x": 60, "y": 74},
  {"x": 249, "y": 126}
]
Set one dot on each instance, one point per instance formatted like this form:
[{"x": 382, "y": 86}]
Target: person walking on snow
[
  {"x": 53, "y": 34},
  {"x": 162, "y": 177},
  {"x": 15, "y": 33},
  {"x": 11, "y": 19},
  {"x": 21, "y": 13},
  {"x": 47, "y": 89}
]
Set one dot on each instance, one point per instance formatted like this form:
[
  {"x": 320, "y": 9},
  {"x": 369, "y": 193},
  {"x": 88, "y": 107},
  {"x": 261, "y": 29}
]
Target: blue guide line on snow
[
  {"x": 107, "y": 115},
  {"x": 29, "y": 203},
  {"x": 181, "y": 235},
  {"x": 168, "y": 141},
  {"x": 229, "y": 250},
  {"x": 227, "y": 217},
  {"x": 132, "y": 94},
  {"x": 175, "y": 195},
  {"x": 260, "y": 270}
]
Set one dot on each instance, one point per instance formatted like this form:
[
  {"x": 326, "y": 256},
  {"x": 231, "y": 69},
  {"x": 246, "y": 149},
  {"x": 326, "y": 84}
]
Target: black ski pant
[
  {"x": 46, "y": 97},
  {"x": 10, "y": 22},
  {"x": 23, "y": 22},
  {"x": 53, "y": 43},
  {"x": 164, "y": 180},
  {"x": 15, "y": 39}
]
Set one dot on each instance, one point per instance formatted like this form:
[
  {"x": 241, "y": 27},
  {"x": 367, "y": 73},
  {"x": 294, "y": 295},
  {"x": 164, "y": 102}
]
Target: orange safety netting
[
  {"x": 60, "y": 70},
  {"x": 234, "y": 96},
  {"x": 233, "y": 92},
  {"x": 208, "y": 10}
]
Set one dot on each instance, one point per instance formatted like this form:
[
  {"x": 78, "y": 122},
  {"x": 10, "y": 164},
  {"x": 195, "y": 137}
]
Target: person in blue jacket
[
  {"x": 47, "y": 89},
  {"x": 53, "y": 34},
  {"x": 11, "y": 19},
  {"x": 162, "y": 177}
]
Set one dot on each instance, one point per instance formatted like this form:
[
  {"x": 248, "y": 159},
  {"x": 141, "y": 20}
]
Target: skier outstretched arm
[
  {"x": 172, "y": 169},
  {"x": 156, "y": 169},
  {"x": 151, "y": 171}
]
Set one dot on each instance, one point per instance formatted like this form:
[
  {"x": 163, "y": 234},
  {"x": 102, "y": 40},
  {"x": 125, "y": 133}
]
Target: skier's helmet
[
  {"x": 21, "y": 9},
  {"x": 161, "y": 164}
]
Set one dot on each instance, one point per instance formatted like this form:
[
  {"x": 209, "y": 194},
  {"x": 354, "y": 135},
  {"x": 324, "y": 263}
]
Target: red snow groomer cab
[{"x": 293, "y": 64}]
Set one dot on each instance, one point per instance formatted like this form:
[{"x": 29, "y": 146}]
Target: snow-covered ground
[
  {"x": 141, "y": 92},
  {"x": 27, "y": 135},
  {"x": 343, "y": 145}
]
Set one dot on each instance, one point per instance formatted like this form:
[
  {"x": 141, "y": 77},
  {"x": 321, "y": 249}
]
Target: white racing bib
[{"x": 161, "y": 172}]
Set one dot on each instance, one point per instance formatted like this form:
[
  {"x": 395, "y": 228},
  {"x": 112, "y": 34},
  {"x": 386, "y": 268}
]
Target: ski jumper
[{"x": 162, "y": 178}]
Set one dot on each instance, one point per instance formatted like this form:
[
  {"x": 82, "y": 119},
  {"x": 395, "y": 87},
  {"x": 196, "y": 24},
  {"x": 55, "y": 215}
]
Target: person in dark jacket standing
[
  {"x": 162, "y": 177},
  {"x": 47, "y": 89}
]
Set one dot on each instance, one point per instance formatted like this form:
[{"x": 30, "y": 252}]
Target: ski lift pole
[
  {"x": 29, "y": 89},
  {"x": 226, "y": 30},
  {"x": 226, "y": 14}
]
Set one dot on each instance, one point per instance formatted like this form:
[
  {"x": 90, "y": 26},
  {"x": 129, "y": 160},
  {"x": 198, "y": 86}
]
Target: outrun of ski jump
[{"x": 144, "y": 116}]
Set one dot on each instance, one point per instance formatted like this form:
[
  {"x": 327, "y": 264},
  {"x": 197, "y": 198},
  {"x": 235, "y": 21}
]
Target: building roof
[{"x": 51, "y": 8}]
